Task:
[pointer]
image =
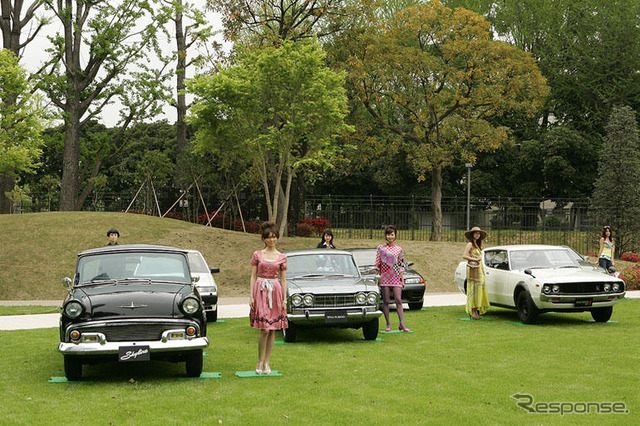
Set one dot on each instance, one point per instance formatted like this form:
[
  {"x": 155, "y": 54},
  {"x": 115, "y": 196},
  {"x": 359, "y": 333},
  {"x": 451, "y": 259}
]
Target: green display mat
[
  {"x": 395, "y": 332},
  {"x": 365, "y": 340},
  {"x": 217, "y": 322},
  {"x": 64, "y": 380},
  {"x": 475, "y": 320},
  {"x": 249, "y": 374},
  {"x": 523, "y": 324},
  {"x": 204, "y": 375},
  {"x": 282, "y": 342}
]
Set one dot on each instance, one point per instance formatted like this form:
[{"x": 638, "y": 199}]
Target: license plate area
[
  {"x": 335, "y": 317},
  {"x": 133, "y": 353},
  {"x": 583, "y": 302}
]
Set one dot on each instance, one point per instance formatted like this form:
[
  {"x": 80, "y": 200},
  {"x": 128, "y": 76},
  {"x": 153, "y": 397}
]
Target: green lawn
[{"x": 448, "y": 371}]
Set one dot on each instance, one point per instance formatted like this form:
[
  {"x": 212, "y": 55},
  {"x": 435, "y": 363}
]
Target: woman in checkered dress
[{"x": 389, "y": 264}]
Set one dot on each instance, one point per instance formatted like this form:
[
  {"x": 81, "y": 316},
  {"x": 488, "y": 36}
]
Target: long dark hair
[
  {"x": 326, "y": 232},
  {"x": 604, "y": 233}
]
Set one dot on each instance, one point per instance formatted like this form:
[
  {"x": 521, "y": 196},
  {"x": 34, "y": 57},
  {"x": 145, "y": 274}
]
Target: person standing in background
[
  {"x": 389, "y": 264},
  {"x": 477, "y": 296},
  {"x": 607, "y": 249}
]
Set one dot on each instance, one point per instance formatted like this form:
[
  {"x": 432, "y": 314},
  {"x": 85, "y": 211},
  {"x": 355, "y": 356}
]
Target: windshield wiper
[{"x": 568, "y": 266}]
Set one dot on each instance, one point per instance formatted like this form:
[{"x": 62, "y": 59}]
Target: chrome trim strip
[{"x": 110, "y": 348}]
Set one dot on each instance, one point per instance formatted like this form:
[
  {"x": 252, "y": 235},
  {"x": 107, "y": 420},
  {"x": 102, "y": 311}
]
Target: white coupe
[{"x": 540, "y": 278}]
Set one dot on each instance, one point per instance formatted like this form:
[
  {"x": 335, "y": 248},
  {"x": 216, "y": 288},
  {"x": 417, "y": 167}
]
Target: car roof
[
  {"x": 303, "y": 252},
  {"x": 515, "y": 247},
  {"x": 128, "y": 248}
]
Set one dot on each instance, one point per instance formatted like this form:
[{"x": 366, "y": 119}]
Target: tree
[
  {"x": 13, "y": 23},
  {"x": 616, "y": 198},
  {"x": 280, "y": 108},
  {"x": 92, "y": 63},
  {"x": 21, "y": 119},
  {"x": 435, "y": 77},
  {"x": 269, "y": 22}
]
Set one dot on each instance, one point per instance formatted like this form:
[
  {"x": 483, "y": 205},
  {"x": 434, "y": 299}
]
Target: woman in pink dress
[
  {"x": 268, "y": 294},
  {"x": 389, "y": 264}
]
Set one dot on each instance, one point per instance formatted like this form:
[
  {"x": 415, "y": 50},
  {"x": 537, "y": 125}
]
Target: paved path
[{"x": 234, "y": 307}]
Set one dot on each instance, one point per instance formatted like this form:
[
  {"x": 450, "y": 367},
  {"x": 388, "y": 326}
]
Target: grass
[
  {"x": 447, "y": 372},
  {"x": 39, "y": 249},
  {"x": 28, "y": 310}
]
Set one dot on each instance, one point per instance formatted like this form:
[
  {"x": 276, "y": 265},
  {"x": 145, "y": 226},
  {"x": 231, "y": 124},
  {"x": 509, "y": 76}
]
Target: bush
[
  {"x": 312, "y": 226},
  {"x": 629, "y": 257},
  {"x": 631, "y": 277}
]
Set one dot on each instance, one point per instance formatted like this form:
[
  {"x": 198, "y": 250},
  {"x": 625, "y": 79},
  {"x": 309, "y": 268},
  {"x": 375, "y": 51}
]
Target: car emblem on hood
[{"x": 132, "y": 306}]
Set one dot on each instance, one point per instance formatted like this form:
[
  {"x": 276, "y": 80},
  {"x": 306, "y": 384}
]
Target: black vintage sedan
[
  {"x": 414, "y": 285},
  {"x": 132, "y": 303},
  {"x": 325, "y": 289}
]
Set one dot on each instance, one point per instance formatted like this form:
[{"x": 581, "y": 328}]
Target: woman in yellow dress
[{"x": 477, "y": 296}]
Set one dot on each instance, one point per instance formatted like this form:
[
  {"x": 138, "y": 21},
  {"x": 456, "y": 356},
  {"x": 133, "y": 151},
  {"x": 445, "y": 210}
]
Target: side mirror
[
  {"x": 215, "y": 270},
  {"x": 66, "y": 282}
]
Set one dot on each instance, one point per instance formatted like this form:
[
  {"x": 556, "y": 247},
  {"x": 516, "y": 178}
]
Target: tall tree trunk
[
  {"x": 181, "y": 104},
  {"x": 7, "y": 183},
  {"x": 436, "y": 204},
  {"x": 70, "y": 159}
]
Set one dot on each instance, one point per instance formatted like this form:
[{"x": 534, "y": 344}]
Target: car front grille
[
  {"x": 582, "y": 288},
  {"x": 333, "y": 300},
  {"x": 121, "y": 332}
]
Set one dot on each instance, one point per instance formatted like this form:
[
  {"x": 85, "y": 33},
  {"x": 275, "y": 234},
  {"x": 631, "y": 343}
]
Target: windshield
[
  {"x": 365, "y": 258},
  {"x": 320, "y": 265},
  {"x": 197, "y": 263},
  {"x": 554, "y": 258},
  {"x": 120, "y": 266}
]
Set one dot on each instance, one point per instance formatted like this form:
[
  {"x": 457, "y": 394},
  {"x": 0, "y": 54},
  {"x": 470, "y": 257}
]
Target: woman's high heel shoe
[
  {"x": 404, "y": 329},
  {"x": 259, "y": 368},
  {"x": 267, "y": 369}
]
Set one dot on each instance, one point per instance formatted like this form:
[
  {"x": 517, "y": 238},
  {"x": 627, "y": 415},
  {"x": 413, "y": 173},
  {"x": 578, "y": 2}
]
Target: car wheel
[
  {"x": 602, "y": 314},
  {"x": 289, "y": 334},
  {"x": 194, "y": 363},
  {"x": 72, "y": 368},
  {"x": 212, "y": 316},
  {"x": 416, "y": 306},
  {"x": 527, "y": 311},
  {"x": 370, "y": 329}
]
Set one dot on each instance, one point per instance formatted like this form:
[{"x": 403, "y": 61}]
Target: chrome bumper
[
  {"x": 109, "y": 348},
  {"x": 318, "y": 316}
]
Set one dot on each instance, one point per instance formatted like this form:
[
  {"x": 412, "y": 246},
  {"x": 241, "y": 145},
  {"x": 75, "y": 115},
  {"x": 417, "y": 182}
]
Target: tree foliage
[
  {"x": 616, "y": 198},
  {"x": 22, "y": 118},
  {"x": 281, "y": 108},
  {"x": 99, "y": 56},
  {"x": 435, "y": 77}
]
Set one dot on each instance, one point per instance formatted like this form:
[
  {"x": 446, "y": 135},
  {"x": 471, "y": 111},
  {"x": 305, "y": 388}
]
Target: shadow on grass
[{"x": 325, "y": 335}]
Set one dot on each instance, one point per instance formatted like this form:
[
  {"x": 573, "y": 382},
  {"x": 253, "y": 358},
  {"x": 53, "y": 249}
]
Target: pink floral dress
[
  {"x": 389, "y": 260},
  {"x": 268, "y": 313}
]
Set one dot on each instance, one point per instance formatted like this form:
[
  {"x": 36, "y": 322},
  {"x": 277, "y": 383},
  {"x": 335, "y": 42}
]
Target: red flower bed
[
  {"x": 629, "y": 257},
  {"x": 631, "y": 277},
  {"x": 307, "y": 226}
]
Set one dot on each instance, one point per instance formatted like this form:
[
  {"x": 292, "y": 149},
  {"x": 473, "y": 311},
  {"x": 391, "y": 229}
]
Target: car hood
[
  {"x": 132, "y": 300},
  {"x": 568, "y": 275},
  {"x": 324, "y": 285}
]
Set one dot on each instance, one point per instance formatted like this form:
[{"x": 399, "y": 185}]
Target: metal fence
[{"x": 508, "y": 220}]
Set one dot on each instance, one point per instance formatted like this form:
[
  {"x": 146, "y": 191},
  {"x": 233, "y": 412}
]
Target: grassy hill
[{"x": 37, "y": 250}]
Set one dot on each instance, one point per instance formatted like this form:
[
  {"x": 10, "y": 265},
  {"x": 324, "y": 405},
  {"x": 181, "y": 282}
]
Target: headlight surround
[
  {"x": 73, "y": 309},
  {"x": 361, "y": 298},
  {"x": 555, "y": 288},
  {"x": 616, "y": 287},
  {"x": 546, "y": 289},
  {"x": 308, "y": 300},
  {"x": 607, "y": 287},
  {"x": 372, "y": 298},
  {"x": 190, "y": 305},
  {"x": 296, "y": 300}
]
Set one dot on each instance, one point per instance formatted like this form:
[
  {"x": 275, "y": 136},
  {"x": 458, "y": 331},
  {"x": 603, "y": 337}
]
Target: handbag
[{"x": 473, "y": 270}]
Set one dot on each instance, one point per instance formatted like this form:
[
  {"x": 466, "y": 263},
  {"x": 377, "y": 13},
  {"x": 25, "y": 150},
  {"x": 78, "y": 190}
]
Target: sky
[{"x": 34, "y": 55}]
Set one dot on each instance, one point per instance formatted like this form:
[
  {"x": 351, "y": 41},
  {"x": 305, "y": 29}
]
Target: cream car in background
[{"x": 541, "y": 278}]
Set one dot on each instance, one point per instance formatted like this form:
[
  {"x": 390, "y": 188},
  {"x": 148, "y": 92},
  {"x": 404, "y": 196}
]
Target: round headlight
[
  {"x": 361, "y": 298},
  {"x": 372, "y": 298},
  {"x": 308, "y": 299},
  {"x": 296, "y": 300},
  {"x": 616, "y": 287},
  {"x": 73, "y": 309},
  {"x": 607, "y": 287},
  {"x": 546, "y": 289},
  {"x": 190, "y": 305},
  {"x": 556, "y": 288}
]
